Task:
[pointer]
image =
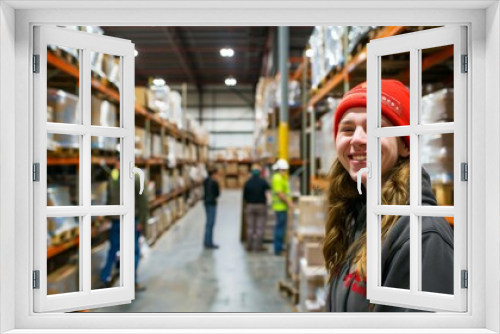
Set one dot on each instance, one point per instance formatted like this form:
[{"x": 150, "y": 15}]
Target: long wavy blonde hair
[{"x": 342, "y": 201}]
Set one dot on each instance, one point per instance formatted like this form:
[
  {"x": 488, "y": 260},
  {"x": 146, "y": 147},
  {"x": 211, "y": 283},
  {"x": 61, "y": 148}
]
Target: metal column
[
  {"x": 303, "y": 188},
  {"x": 283, "y": 36}
]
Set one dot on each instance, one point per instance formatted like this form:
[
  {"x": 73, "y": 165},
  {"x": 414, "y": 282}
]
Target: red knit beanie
[{"x": 395, "y": 104}]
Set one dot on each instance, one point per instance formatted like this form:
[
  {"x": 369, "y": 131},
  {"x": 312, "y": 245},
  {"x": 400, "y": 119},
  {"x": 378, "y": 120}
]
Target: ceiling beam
[{"x": 174, "y": 39}]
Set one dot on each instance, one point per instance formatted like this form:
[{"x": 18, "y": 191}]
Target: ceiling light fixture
[
  {"x": 230, "y": 81},
  {"x": 226, "y": 52}
]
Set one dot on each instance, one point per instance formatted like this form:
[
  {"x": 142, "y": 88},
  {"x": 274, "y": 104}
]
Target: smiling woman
[{"x": 345, "y": 248}]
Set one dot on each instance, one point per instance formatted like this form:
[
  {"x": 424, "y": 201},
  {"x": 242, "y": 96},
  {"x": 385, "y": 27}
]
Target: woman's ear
[{"x": 404, "y": 151}]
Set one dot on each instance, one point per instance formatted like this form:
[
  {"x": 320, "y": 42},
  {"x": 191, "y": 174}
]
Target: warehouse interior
[{"x": 210, "y": 98}]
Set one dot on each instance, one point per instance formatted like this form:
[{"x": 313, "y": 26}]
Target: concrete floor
[{"x": 182, "y": 276}]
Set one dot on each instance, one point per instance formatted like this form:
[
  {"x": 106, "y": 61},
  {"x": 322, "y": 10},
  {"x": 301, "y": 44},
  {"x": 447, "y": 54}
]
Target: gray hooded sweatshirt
[{"x": 347, "y": 290}]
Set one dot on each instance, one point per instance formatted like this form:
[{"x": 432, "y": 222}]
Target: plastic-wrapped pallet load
[
  {"x": 316, "y": 43},
  {"x": 294, "y": 96},
  {"x": 312, "y": 278},
  {"x": 103, "y": 113},
  {"x": 140, "y": 139},
  {"x": 176, "y": 108},
  {"x": 356, "y": 35},
  {"x": 66, "y": 109},
  {"x": 156, "y": 149},
  {"x": 334, "y": 50},
  {"x": 325, "y": 140},
  {"x": 158, "y": 100},
  {"x": 437, "y": 150},
  {"x": 99, "y": 193}
]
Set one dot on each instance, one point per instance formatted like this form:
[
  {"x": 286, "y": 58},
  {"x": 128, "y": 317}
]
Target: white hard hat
[{"x": 281, "y": 164}]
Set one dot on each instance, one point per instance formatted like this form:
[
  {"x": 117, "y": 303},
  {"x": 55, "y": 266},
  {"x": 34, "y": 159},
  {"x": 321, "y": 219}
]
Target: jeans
[
  {"x": 114, "y": 247},
  {"x": 209, "y": 227},
  {"x": 279, "y": 231},
  {"x": 256, "y": 218}
]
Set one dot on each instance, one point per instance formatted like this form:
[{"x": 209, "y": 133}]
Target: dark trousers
[
  {"x": 280, "y": 231},
  {"x": 114, "y": 247},
  {"x": 256, "y": 218},
  {"x": 209, "y": 227}
]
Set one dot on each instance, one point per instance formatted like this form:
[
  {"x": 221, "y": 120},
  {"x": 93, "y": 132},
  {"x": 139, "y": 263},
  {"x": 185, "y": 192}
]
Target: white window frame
[
  {"x": 483, "y": 20},
  {"x": 413, "y": 44},
  {"x": 86, "y": 43}
]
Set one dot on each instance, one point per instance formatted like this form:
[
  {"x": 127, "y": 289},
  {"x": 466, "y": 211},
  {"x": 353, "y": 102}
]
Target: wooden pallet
[{"x": 287, "y": 289}]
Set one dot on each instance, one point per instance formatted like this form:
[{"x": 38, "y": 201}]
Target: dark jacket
[
  {"x": 211, "y": 191},
  {"x": 141, "y": 201},
  {"x": 254, "y": 191},
  {"x": 347, "y": 291}
]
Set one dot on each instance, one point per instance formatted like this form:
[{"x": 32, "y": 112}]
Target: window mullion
[
  {"x": 415, "y": 174},
  {"x": 85, "y": 165}
]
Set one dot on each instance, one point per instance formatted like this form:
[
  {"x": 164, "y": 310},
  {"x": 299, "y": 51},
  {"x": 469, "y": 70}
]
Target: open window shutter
[
  {"x": 77, "y": 216},
  {"x": 416, "y": 44}
]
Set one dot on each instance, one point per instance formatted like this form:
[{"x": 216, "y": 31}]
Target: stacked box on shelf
[
  {"x": 151, "y": 230},
  {"x": 242, "y": 179},
  {"x": 231, "y": 182},
  {"x": 437, "y": 150},
  {"x": 66, "y": 109},
  {"x": 181, "y": 206},
  {"x": 156, "y": 146},
  {"x": 103, "y": 113},
  {"x": 166, "y": 181},
  {"x": 141, "y": 96},
  {"x": 310, "y": 228},
  {"x": 231, "y": 168},
  {"x": 140, "y": 141},
  {"x": 294, "y": 144},
  {"x": 167, "y": 215}
]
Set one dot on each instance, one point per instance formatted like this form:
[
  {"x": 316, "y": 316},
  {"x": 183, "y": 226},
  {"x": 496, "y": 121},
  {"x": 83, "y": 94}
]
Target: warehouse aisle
[{"x": 181, "y": 276}]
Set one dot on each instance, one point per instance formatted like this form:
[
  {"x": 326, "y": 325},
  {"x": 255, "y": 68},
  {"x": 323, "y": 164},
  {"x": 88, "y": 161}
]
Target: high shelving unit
[{"x": 189, "y": 190}]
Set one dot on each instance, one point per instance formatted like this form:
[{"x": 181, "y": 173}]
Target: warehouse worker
[
  {"x": 141, "y": 217},
  {"x": 254, "y": 194},
  {"x": 211, "y": 193},
  {"x": 281, "y": 202},
  {"x": 344, "y": 247}
]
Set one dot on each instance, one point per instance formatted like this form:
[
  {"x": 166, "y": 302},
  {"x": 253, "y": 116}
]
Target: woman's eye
[{"x": 346, "y": 130}]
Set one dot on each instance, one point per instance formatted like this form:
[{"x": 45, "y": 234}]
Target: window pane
[
  {"x": 437, "y": 254},
  {"x": 437, "y": 163},
  {"x": 106, "y": 86},
  {"x": 63, "y": 170},
  {"x": 395, "y": 97},
  {"x": 106, "y": 182},
  {"x": 437, "y": 85},
  {"x": 63, "y": 101},
  {"x": 105, "y": 260},
  {"x": 395, "y": 170},
  {"x": 395, "y": 257},
  {"x": 63, "y": 255}
]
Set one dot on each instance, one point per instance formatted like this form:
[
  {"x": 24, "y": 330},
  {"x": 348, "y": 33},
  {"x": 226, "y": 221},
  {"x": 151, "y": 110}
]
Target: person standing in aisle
[
  {"x": 141, "y": 217},
  {"x": 211, "y": 193},
  {"x": 281, "y": 202},
  {"x": 344, "y": 247},
  {"x": 254, "y": 194}
]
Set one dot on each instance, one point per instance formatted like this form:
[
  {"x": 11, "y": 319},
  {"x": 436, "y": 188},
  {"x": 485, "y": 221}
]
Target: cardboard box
[
  {"x": 312, "y": 211},
  {"x": 232, "y": 182},
  {"x": 243, "y": 169},
  {"x": 63, "y": 280},
  {"x": 232, "y": 168},
  {"x": 313, "y": 253},
  {"x": 141, "y": 96},
  {"x": 151, "y": 230},
  {"x": 294, "y": 144},
  {"x": 242, "y": 179}
]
